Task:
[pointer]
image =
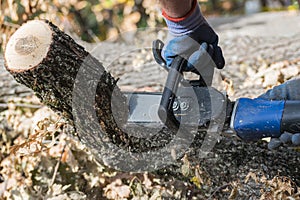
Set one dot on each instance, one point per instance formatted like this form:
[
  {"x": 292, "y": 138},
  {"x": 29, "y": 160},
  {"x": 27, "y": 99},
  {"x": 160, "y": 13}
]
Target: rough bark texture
[
  {"x": 68, "y": 80},
  {"x": 53, "y": 79},
  {"x": 71, "y": 81}
]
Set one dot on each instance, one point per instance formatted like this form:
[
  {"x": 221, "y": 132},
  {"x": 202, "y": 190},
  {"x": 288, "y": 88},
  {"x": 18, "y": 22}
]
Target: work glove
[
  {"x": 286, "y": 91},
  {"x": 185, "y": 37}
]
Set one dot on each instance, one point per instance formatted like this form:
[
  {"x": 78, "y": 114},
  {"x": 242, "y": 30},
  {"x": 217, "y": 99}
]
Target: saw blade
[{"x": 143, "y": 107}]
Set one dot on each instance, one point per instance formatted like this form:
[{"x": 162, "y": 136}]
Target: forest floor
[{"x": 41, "y": 160}]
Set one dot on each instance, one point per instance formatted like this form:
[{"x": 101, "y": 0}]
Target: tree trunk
[
  {"x": 47, "y": 61},
  {"x": 69, "y": 80}
]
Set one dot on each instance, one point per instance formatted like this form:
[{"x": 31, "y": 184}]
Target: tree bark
[
  {"x": 69, "y": 80},
  {"x": 54, "y": 77}
]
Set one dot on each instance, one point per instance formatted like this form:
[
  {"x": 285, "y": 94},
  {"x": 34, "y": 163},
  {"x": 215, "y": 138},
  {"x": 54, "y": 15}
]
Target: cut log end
[{"x": 28, "y": 46}]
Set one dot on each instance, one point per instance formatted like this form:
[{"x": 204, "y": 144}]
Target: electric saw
[{"x": 186, "y": 102}]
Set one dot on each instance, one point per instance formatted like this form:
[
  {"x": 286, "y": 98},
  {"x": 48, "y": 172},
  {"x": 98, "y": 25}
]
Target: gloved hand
[
  {"x": 285, "y": 139},
  {"x": 286, "y": 91},
  {"x": 185, "y": 37}
]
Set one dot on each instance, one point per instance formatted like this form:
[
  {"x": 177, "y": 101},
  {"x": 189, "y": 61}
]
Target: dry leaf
[
  {"x": 252, "y": 176},
  {"x": 116, "y": 190}
]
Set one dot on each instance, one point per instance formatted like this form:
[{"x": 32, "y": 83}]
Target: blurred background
[{"x": 96, "y": 20}]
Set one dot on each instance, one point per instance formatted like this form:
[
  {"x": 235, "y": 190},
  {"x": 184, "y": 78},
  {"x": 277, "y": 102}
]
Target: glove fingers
[
  {"x": 286, "y": 137},
  {"x": 179, "y": 46},
  {"x": 286, "y": 91},
  {"x": 199, "y": 59},
  {"x": 290, "y": 138},
  {"x": 218, "y": 58},
  {"x": 274, "y": 143},
  {"x": 296, "y": 139}
]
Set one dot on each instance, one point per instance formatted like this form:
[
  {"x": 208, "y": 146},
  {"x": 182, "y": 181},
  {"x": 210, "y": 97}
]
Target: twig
[
  {"x": 5, "y": 105},
  {"x": 11, "y": 24},
  {"x": 36, "y": 4},
  {"x": 218, "y": 189},
  {"x": 57, "y": 166},
  {"x": 30, "y": 6},
  {"x": 15, "y": 93}
]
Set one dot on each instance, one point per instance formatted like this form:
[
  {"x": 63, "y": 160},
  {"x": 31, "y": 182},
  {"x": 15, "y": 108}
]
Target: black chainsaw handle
[
  {"x": 157, "y": 46},
  {"x": 290, "y": 121},
  {"x": 165, "y": 110}
]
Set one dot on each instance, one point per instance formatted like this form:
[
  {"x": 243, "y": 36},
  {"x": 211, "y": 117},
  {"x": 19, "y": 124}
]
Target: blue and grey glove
[
  {"x": 286, "y": 91},
  {"x": 185, "y": 37},
  {"x": 285, "y": 139}
]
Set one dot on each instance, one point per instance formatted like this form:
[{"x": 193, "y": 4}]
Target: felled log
[
  {"x": 70, "y": 80},
  {"x": 46, "y": 60}
]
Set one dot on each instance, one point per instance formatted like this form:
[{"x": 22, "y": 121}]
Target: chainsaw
[{"x": 186, "y": 102}]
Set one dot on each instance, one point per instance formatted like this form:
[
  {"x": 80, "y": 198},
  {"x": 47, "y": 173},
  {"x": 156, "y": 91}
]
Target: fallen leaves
[
  {"x": 49, "y": 162},
  {"x": 44, "y": 160},
  {"x": 280, "y": 188},
  {"x": 116, "y": 190}
]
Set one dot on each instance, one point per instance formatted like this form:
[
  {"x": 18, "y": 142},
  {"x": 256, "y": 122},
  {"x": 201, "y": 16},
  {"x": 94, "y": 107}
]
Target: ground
[{"x": 261, "y": 51}]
